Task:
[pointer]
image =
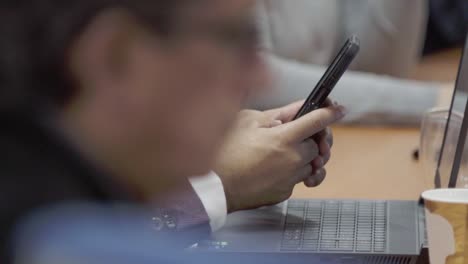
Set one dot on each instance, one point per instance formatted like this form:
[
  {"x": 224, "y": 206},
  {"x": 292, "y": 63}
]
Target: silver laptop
[{"x": 338, "y": 231}]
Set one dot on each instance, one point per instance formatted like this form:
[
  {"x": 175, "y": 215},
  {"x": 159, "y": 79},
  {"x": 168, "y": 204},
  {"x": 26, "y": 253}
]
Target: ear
[{"x": 103, "y": 48}]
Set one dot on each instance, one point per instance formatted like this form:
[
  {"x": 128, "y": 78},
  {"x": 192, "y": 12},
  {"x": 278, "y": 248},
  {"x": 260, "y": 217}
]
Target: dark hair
[{"x": 36, "y": 35}]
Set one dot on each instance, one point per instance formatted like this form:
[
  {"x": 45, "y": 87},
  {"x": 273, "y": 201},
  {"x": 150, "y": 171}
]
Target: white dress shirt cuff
[{"x": 210, "y": 190}]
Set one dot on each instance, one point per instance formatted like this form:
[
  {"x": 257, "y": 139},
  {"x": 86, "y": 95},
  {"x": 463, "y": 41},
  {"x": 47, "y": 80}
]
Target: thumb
[
  {"x": 285, "y": 113},
  {"x": 264, "y": 120},
  {"x": 312, "y": 123}
]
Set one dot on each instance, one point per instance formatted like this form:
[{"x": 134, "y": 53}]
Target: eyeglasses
[{"x": 241, "y": 38}]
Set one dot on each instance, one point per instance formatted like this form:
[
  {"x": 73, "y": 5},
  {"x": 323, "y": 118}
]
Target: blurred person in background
[
  {"x": 118, "y": 102},
  {"x": 300, "y": 38}
]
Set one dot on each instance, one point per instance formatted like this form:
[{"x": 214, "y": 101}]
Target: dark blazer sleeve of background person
[
  {"x": 448, "y": 24},
  {"x": 38, "y": 169}
]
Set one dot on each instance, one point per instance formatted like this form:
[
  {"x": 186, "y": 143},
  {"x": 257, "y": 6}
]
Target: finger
[
  {"x": 312, "y": 123},
  {"x": 302, "y": 174},
  {"x": 323, "y": 142},
  {"x": 324, "y": 139},
  {"x": 268, "y": 123},
  {"x": 318, "y": 163},
  {"x": 326, "y": 158},
  {"x": 321, "y": 135},
  {"x": 258, "y": 119},
  {"x": 285, "y": 114},
  {"x": 249, "y": 118},
  {"x": 329, "y": 136},
  {"x": 320, "y": 177},
  {"x": 316, "y": 179},
  {"x": 275, "y": 123},
  {"x": 324, "y": 148},
  {"x": 327, "y": 133},
  {"x": 308, "y": 150}
]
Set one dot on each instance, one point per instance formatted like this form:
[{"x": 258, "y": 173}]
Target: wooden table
[
  {"x": 371, "y": 163},
  {"x": 441, "y": 67},
  {"x": 377, "y": 163}
]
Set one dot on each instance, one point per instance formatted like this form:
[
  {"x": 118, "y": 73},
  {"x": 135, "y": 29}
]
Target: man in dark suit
[{"x": 119, "y": 101}]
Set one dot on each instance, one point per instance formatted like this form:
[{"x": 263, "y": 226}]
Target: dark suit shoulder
[{"x": 37, "y": 171}]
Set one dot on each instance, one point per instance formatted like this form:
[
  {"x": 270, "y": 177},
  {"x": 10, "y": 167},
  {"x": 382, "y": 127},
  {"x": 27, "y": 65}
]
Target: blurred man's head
[{"x": 144, "y": 86}]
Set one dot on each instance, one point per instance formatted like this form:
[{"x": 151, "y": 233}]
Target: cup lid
[{"x": 459, "y": 196}]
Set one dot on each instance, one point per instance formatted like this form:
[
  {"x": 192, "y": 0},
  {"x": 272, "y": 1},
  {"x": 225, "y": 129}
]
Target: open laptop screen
[{"x": 453, "y": 162}]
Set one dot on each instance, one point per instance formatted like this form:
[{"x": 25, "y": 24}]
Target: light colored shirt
[{"x": 210, "y": 190}]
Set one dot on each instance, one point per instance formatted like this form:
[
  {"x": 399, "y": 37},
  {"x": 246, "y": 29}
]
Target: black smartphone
[{"x": 322, "y": 90}]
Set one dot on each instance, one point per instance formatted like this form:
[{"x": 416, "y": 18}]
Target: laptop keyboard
[{"x": 328, "y": 226}]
